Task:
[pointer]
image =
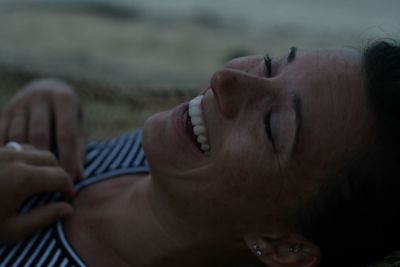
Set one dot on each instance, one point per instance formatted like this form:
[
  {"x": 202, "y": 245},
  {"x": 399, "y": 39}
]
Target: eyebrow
[
  {"x": 297, "y": 106},
  {"x": 292, "y": 54}
]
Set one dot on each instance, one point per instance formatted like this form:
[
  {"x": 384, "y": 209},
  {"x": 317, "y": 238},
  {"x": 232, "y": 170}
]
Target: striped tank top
[{"x": 50, "y": 247}]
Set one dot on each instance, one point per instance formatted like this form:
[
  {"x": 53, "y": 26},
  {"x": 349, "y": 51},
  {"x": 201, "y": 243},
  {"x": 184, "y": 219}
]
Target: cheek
[
  {"x": 245, "y": 171},
  {"x": 245, "y": 189}
]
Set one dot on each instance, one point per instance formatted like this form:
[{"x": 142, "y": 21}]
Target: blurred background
[{"x": 131, "y": 58}]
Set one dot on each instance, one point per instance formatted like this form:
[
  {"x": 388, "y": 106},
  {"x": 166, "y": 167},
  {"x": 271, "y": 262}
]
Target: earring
[
  {"x": 295, "y": 248},
  {"x": 257, "y": 250}
]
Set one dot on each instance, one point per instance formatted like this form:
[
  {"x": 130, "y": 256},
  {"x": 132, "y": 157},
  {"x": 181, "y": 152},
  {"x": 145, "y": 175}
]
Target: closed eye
[{"x": 267, "y": 123}]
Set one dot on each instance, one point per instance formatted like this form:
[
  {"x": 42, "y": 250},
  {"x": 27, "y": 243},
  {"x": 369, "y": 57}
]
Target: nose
[
  {"x": 249, "y": 64},
  {"x": 236, "y": 90}
]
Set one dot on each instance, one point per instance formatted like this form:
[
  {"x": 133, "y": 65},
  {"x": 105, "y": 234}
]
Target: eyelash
[
  {"x": 267, "y": 122},
  {"x": 268, "y": 65},
  {"x": 267, "y": 119}
]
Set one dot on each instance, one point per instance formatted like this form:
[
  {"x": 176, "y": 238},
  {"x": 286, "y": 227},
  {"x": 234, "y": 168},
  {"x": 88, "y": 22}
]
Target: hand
[
  {"x": 24, "y": 174},
  {"x": 46, "y": 113}
]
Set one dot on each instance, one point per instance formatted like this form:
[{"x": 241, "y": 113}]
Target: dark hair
[{"x": 355, "y": 218}]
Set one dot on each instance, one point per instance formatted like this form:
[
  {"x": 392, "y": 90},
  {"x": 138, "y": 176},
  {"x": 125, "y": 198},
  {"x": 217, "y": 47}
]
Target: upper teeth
[{"x": 199, "y": 127}]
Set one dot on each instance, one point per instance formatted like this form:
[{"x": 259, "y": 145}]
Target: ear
[{"x": 289, "y": 251}]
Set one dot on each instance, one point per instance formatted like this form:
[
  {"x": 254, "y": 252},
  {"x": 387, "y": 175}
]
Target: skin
[
  {"x": 24, "y": 174},
  {"x": 211, "y": 193},
  {"x": 37, "y": 115},
  {"x": 197, "y": 210},
  {"x": 334, "y": 113}
]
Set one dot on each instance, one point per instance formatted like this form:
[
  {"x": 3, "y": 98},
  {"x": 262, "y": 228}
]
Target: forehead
[
  {"x": 330, "y": 82},
  {"x": 328, "y": 63}
]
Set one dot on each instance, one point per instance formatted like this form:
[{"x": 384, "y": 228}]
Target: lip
[
  {"x": 180, "y": 127},
  {"x": 204, "y": 115}
]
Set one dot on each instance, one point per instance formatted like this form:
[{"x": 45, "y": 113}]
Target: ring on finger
[{"x": 14, "y": 145}]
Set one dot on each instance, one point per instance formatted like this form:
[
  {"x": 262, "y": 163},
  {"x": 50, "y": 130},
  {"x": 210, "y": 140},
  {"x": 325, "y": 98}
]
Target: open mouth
[{"x": 195, "y": 125}]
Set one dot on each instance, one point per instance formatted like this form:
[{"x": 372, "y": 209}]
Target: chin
[
  {"x": 159, "y": 144},
  {"x": 152, "y": 136}
]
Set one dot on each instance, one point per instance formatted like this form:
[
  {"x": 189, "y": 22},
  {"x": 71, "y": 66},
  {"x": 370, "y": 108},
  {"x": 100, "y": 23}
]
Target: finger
[
  {"x": 82, "y": 145},
  {"x": 27, "y": 147},
  {"x": 32, "y": 156},
  {"x": 15, "y": 150},
  {"x": 21, "y": 226},
  {"x": 39, "y": 124},
  {"x": 17, "y": 130},
  {"x": 4, "y": 122},
  {"x": 47, "y": 179},
  {"x": 37, "y": 157},
  {"x": 81, "y": 158},
  {"x": 67, "y": 131},
  {"x": 24, "y": 147}
]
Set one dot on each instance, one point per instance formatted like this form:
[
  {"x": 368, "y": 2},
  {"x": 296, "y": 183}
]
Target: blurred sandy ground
[{"x": 129, "y": 59}]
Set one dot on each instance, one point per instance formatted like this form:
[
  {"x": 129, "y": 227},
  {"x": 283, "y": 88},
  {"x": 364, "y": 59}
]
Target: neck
[{"x": 145, "y": 231}]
